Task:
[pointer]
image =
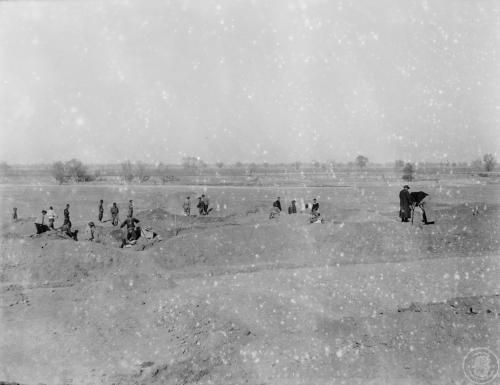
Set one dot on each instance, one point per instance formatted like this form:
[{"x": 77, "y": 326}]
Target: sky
[{"x": 251, "y": 81}]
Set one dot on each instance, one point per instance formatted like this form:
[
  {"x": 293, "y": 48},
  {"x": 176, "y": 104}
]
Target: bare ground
[{"x": 235, "y": 298}]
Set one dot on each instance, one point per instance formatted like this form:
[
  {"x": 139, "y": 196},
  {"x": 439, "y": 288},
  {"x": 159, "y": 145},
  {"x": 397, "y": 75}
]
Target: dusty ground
[{"x": 235, "y": 298}]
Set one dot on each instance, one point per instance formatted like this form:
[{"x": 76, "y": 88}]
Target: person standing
[
  {"x": 315, "y": 206},
  {"x": 404, "y": 204},
  {"x": 14, "y": 213},
  {"x": 200, "y": 206},
  {"x": 100, "y": 209},
  {"x": 90, "y": 231},
  {"x": 205, "y": 202},
  {"x": 187, "y": 206},
  {"x": 114, "y": 214},
  {"x": 66, "y": 214},
  {"x": 131, "y": 208},
  {"x": 51, "y": 216}
]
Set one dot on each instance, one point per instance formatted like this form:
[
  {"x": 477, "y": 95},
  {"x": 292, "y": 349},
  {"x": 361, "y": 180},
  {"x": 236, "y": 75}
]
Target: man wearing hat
[{"x": 405, "y": 204}]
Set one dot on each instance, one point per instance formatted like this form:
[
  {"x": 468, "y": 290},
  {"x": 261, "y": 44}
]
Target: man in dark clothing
[
  {"x": 66, "y": 229},
  {"x": 187, "y": 206},
  {"x": 292, "y": 209},
  {"x": 205, "y": 202},
  {"x": 315, "y": 206},
  {"x": 404, "y": 204},
  {"x": 131, "y": 208},
  {"x": 201, "y": 206},
  {"x": 66, "y": 214},
  {"x": 114, "y": 214},
  {"x": 131, "y": 231},
  {"x": 277, "y": 204},
  {"x": 100, "y": 208},
  {"x": 14, "y": 214}
]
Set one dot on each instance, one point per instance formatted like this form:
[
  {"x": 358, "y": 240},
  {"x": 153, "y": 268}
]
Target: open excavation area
[{"x": 237, "y": 298}]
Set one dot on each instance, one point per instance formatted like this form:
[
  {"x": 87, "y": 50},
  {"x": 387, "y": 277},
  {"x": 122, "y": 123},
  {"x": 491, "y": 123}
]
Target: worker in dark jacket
[
  {"x": 201, "y": 206},
  {"x": 66, "y": 214},
  {"x": 100, "y": 208},
  {"x": 315, "y": 206},
  {"x": 114, "y": 214},
  {"x": 404, "y": 204},
  {"x": 206, "y": 202},
  {"x": 277, "y": 204},
  {"x": 131, "y": 230}
]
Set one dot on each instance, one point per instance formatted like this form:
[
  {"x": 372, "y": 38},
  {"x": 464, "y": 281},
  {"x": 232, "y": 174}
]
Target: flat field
[{"x": 237, "y": 298}]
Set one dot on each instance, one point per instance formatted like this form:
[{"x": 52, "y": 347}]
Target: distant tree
[
  {"x": 408, "y": 172},
  {"x": 252, "y": 168},
  {"x": 489, "y": 162},
  {"x": 189, "y": 162},
  {"x": 238, "y": 165},
  {"x": 127, "y": 171},
  {"x": 399, "y": 164},
  {"x": 361, "y": 161},
  {"x": 193, "y": 163},
  {"x": 77, "y": 171},
  {"x": 477, "y": 164},
  {"x": 73, "y": 169},
  {"x": 219, "y": 164},
  {"x": 58, "y": 172},
  {"x": 4, "y": 167},
  {"x": 296, "y": 165},
  {"x": 265, "y": 165},
  {"x": 316, "y": 164},
  {"x": 142, "y": 172}
]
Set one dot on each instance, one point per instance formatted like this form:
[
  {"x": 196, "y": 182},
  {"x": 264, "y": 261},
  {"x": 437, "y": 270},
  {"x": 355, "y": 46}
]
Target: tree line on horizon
[{"x": 75, "y": 170}]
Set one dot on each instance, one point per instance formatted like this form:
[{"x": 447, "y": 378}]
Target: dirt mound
[
  {"x": 205, "y": 344},
  {"x": 55, "y": 262}
]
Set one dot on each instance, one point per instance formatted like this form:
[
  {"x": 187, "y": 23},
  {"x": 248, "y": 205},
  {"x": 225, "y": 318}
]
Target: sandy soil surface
[{"x": 236, "y": 298}]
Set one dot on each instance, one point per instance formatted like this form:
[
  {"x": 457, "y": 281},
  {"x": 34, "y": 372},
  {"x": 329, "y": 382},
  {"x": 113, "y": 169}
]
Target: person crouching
[
  {"x": 132, "y": 233},
  {"x": 40, "y": 223}
]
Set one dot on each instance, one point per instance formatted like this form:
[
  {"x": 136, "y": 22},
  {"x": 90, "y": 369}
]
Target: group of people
[
  {"x": 46, "y": 222},
  {"x": 133, "y": 232},
  {"x": 114, "y": 211},
  {"x": 202, "y": 205},
  {"x": 409, "y": 201},
  {"x": 292, "y": 209}
]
